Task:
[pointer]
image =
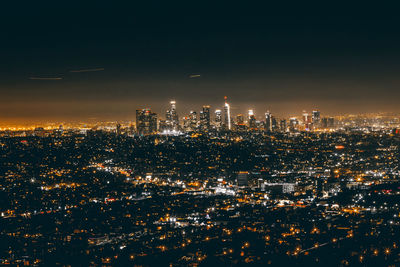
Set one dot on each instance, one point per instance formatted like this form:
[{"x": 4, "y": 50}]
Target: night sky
[{"x": 65, "y": 60}]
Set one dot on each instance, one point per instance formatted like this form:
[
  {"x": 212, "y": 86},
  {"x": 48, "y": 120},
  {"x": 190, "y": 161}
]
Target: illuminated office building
[
  {"x": 316, "y": 118},
  {"x": 205, "y": 118},
  {"x": 252, "y": 120},
  {"x": 283, "y": 126},
  {"x": 293, "y": 124},
  {"x": 218, "y": 119},
  {"x": 306, "y": 121},
  {"x": 146, "y": 121},
  {"x": 227, "y": 115},
  {"x": 193, "y": 120},
  {"x": 268, "y": 121},
  {"x": 172, "y": 120}
]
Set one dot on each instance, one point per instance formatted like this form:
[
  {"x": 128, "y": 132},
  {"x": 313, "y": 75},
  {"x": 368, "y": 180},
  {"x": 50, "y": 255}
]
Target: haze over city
[{"x": 78, "y": 61}]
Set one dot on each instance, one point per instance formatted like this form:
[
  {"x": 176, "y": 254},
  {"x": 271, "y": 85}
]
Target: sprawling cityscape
[
  {"x": 209, "y": 188},
  {"x": 188, "y": 133}
]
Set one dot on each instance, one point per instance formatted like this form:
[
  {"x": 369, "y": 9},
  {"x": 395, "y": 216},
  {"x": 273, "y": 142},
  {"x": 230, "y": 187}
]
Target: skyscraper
[
  {"x": 306, "y": 121},
  {"x": 316, "y": 118},
  {"x": 240, "y": 125},
  {"x": 268, "y": 121},
  {"x": 205, "y": 118},
  {"x": 328, "y": 122},
  {"x": 324, "y": 122},
  {"x": 293, "y": 124},
  {"x": 274, "y": 124},
  {"x": 252, "y": 119},
  {"x": 240, "y": 119},
  {"x": 218, "y": 119},
  {"x": 331, "y": 122},
  {"x": 227, "y": 115},
  {"x": 193, "y": 120},
  {"x": 283, "y": 126},
  {"x": 186, "y": 124},
  {"x": 118, "y": 129},
  {"x": 171, "y": 116},
  {"x": 146, "y": 121}
]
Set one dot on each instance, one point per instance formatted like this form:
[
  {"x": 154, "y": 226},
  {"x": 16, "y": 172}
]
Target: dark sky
[{"x": 284, "y": 58}]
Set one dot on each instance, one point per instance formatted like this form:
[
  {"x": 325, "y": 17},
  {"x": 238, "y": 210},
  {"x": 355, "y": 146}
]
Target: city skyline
[{"x": 184, "y": 109}]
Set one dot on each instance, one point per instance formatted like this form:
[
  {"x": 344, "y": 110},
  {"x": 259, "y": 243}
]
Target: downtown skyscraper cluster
[{"x": 223, "y": 120}]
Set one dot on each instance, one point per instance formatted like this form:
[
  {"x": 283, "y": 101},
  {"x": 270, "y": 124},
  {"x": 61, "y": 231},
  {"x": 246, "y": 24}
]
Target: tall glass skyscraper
[
  {"x": 146, "y": 121},
  {"x": 172, "y": 120},
  {"x": 205, "y": 118},
  {"x": 218, "y": 119},
  {"x": 227, "y": 115},
  {"x": 268, "y": 121}
]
